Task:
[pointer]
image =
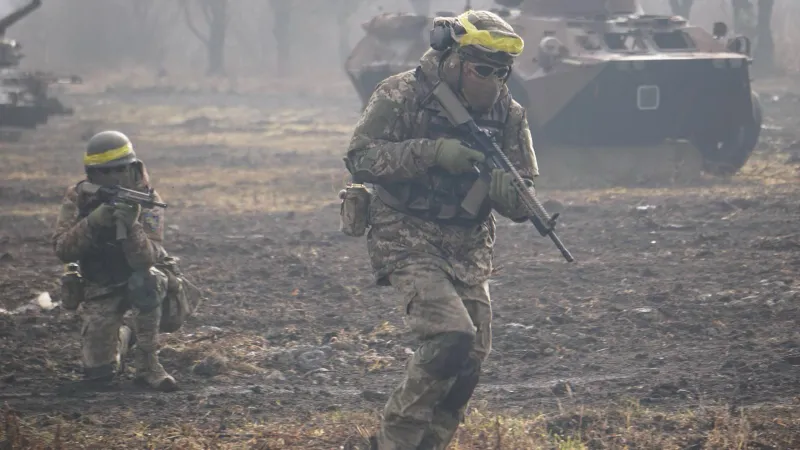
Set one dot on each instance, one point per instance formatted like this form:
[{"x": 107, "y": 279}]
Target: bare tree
[
  {"x": 215, "y": 13},
  {"x": 344, "y": 10},
  {"x": 281, "y": 26},
  {"x": 153, "y": 19},
  {"x": 755, "y": 22}
]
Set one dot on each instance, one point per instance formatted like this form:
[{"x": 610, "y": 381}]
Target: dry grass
[
  {"x": 622, "y": 427},
  {"x": 249, "y": 190}
]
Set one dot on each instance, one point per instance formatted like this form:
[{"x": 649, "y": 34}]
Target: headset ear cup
[{"x": 441, "y": 37}]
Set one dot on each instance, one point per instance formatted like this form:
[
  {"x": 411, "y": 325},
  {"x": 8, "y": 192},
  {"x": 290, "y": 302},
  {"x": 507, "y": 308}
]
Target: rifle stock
[{"x": 495, "y": 158}]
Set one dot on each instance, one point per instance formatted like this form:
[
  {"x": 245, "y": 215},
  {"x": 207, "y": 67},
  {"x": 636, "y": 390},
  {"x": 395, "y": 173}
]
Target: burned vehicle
[
  {"x": 610, "y": 91},
  {"x": 25, "y": 101}
]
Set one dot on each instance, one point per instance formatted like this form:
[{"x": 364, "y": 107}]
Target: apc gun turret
[{"x": 24, "y": 95}]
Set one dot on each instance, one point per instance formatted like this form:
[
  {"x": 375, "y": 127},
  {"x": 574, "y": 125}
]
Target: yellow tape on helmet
[
  {"x": 106, "y": 156},
  {"x": 492, "y": 41}
]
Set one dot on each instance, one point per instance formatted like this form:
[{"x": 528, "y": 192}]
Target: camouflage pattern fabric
[
  {"x": 383, "y": 146},
  {"x": 101, "y": 344},
  {"x": 73, "y": 236},
  {"x": 441, "y": 270},
  {"x": 433, "y": 303},
  {"x": 105, "y": 305}
]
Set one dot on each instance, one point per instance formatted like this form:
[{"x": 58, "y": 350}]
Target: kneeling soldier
[{"x": 118, "y": 273}]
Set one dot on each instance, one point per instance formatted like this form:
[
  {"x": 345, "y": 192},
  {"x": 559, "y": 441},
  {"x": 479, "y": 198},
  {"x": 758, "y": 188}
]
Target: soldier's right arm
[
  {"x": 72, "y": 236},
  {"x": 382, "y": 149}
]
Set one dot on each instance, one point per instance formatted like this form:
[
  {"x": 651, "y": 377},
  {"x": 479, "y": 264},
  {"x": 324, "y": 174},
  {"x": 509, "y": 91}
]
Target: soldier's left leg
[
  {"x": 104, "y": 339},
  {"x": 147, "y": 290},
  {"x": 437, "y": 316},
  {"x": 450, "y": 411}
]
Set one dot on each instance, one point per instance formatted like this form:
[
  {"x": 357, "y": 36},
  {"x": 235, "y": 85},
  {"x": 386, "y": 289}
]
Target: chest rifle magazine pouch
[
  {"x": 354, "y": 210},
  {"x": 71, "y": 287}
]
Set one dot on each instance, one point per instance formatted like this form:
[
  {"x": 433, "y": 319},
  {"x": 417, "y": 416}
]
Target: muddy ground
[{"x": 683, "y": 298}]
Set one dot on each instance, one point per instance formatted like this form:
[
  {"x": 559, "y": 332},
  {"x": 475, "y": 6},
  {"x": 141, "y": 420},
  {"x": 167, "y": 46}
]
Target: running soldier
[{"x": 421, "y": 241}]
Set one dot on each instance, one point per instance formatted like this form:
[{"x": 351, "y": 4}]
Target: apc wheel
[{"x": 728, "y": 156}]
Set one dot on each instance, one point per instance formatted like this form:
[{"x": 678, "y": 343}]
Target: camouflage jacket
[
  {"x": 384, "y": 145},
  {"x": 103, "y": 261}
]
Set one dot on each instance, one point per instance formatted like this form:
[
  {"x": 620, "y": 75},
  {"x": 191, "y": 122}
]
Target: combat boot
[
  {"x": 149, "y": 371},
  {"x": 100, "y": 374},
  {"x": 105, "y": 373}
]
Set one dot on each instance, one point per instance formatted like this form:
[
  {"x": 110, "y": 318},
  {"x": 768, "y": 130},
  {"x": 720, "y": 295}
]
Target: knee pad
[
  {"x": 466, "y": 382},
  {"x": 147, "y": 289},
  {"x": 445, "y": 355}
]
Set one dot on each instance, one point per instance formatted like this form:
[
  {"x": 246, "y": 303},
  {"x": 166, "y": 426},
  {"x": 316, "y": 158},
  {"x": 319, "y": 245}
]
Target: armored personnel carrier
[
  {"x": 613, "y": 94},
  {"x": 25, "y": 101}
]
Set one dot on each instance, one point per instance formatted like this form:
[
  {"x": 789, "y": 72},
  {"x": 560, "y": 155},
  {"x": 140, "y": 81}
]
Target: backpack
[{"x": 182, "y": 299}]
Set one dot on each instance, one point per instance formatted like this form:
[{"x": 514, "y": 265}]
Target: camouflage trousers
[
  {"x": 105, "y": 339},
  {"x": 425, "y": 410}
]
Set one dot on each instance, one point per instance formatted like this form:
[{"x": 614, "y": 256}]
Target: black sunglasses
[{"x": 485, "y": 71}]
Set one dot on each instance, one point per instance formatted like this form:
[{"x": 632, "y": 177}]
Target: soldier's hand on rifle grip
[
  {"x": 502, "y": 191},
  {"x": 127, "y": 214},
  {"x": 102, "y": 216},
  {"x": 454, "y": 157}
]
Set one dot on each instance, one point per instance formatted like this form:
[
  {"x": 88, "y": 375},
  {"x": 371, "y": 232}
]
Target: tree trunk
[
  {"x": 215, "y": 13},
  {"x": 282, "y": 14},
  {"x": 764, "y": 54},
  {"x": 217, "y": 28},
  {"x": 345, "y": 10},
  {"x": 743, "y": 18}
]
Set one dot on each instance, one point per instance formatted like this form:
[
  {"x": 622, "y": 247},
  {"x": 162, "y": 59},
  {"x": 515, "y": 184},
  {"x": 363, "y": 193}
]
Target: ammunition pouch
[
  {"x": 354, "y": 210},
  {"x": 146, "y": 289},
  {"x": 182, "y": 298},
  {"x": 72, "y": 294},
  {"x": 420, "y": 201}
]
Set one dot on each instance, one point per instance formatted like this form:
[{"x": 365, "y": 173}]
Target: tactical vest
[
  {"x": 104, "y": 263},
  {"x": 437, "y": 195}
]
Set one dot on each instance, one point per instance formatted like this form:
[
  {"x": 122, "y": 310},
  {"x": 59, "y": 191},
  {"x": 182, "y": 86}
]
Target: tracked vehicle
[
  {"x": 613, "y": 95},
  {"x": 25, "y": 100}
]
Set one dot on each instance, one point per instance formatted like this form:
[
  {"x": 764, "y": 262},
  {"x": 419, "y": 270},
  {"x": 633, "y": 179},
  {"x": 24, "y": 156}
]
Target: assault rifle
[
  {"x": 116, "y": 194},
  {"x": 495, "y": 159}
]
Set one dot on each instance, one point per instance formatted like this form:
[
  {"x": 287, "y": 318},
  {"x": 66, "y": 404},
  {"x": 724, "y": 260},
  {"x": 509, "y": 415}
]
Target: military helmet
[
  {"x": 108, "y": 149},
  {"x": 485, "y": 36}
]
